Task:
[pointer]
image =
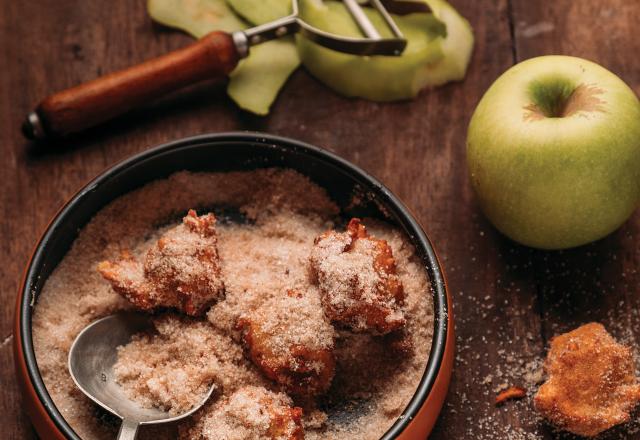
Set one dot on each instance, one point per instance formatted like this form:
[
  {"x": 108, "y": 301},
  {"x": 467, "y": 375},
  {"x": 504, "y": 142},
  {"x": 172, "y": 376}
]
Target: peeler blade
[{"x": 371, "y": 43}]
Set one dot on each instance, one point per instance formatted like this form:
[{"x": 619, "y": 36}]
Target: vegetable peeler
[{"x": 213, "y": 56}]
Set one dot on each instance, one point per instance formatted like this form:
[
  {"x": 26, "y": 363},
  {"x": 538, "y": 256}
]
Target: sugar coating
[
  {"x": 173, "y": 368},
  {"x": 249, "y": 413},
  {"x": 259, "y": 260},
  {"x": 357, "y": 276},
  {"x": 291, "y": 341}
]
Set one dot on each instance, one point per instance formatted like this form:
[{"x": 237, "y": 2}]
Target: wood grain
[{"x": 509, "y": 300}]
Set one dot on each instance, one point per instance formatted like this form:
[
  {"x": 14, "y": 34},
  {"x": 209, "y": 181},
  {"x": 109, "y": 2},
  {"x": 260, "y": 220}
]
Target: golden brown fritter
[
  {"x": 592, "y": 385},
  {"x": 291, "y": 341},
  {"x": 357, "y": 276},
  {"x": 127, "y": 278},
  {"x": 251, "y": 413},
  {"x": 182, "y": 270}
]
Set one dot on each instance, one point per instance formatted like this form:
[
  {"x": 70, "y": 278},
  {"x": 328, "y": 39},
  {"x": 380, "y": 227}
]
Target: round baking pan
[{"x": 229, "y": 152}]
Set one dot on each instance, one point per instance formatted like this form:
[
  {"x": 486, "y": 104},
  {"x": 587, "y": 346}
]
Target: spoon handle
[{"x": 128, "y": 430}]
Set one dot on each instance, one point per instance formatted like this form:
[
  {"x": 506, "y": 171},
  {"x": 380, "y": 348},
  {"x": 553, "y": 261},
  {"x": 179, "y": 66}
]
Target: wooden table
[{"x": 509, "y": 300}]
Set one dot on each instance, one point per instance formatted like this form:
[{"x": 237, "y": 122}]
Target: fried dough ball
[
  {"x": 181, "y": 271},
  {"x": 251, "y": 413},
  {"x": 290, "y": 340},
  {"x": 592, "y": 385},
  {"x": 357, "y": 276}
]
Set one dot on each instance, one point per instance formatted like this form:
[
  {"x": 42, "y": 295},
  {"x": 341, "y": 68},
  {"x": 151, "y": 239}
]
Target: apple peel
[
  {"x": 439, "y": 50},
  {"x": 261, "y": 11},
  {"x": 457, "y": 46},
  {"x": 255, "y": 83}
]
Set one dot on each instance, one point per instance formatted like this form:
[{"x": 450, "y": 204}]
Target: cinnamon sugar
[
  {"x": 291, "y": 341},
  {"x": 249, "y": 413},
  {"x": 173, "y": 368},
  {"x": 261, "y": 258},
  {"x": 293, "y": 318},
  {"x": 185, "y": 261}
]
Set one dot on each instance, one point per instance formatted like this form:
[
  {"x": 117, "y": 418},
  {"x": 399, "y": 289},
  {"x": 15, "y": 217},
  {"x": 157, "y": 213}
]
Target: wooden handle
[{"x": 86, "y": 105}]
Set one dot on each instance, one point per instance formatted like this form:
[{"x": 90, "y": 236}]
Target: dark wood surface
[{"x": 509, "y": 300}]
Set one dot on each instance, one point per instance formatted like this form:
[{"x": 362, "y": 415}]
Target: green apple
[{"x": 553, "y": 151}]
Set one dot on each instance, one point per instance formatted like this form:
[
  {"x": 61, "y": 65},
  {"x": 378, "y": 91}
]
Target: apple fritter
[
  {"x": 592, "y": 384},
  {"x": 357, "y": 276},
  {"x": 182, "y": 269},
  {"x": 290, "y": 340},
  {"x": 251, "y": 413}
]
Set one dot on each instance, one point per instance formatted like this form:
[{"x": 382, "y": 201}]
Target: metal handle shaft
[{"x": 128, "y": 430}]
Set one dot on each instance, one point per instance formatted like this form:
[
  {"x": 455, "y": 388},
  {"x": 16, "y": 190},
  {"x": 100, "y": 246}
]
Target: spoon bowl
[{"x": 92, "y": 357}]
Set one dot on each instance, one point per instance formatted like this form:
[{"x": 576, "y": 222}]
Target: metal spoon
[{"x": 91, "y": 360}]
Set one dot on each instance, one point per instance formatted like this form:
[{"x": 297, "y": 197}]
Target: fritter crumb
[
  {"x": 251, "y": 413},
  {"x": 592, "y": 385},
  {"x": 510, "y": 393},
  {"x": 181, "y": 271},
  {"x": 357, "y": 276},
  {"x": 289, "y": 339}
]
